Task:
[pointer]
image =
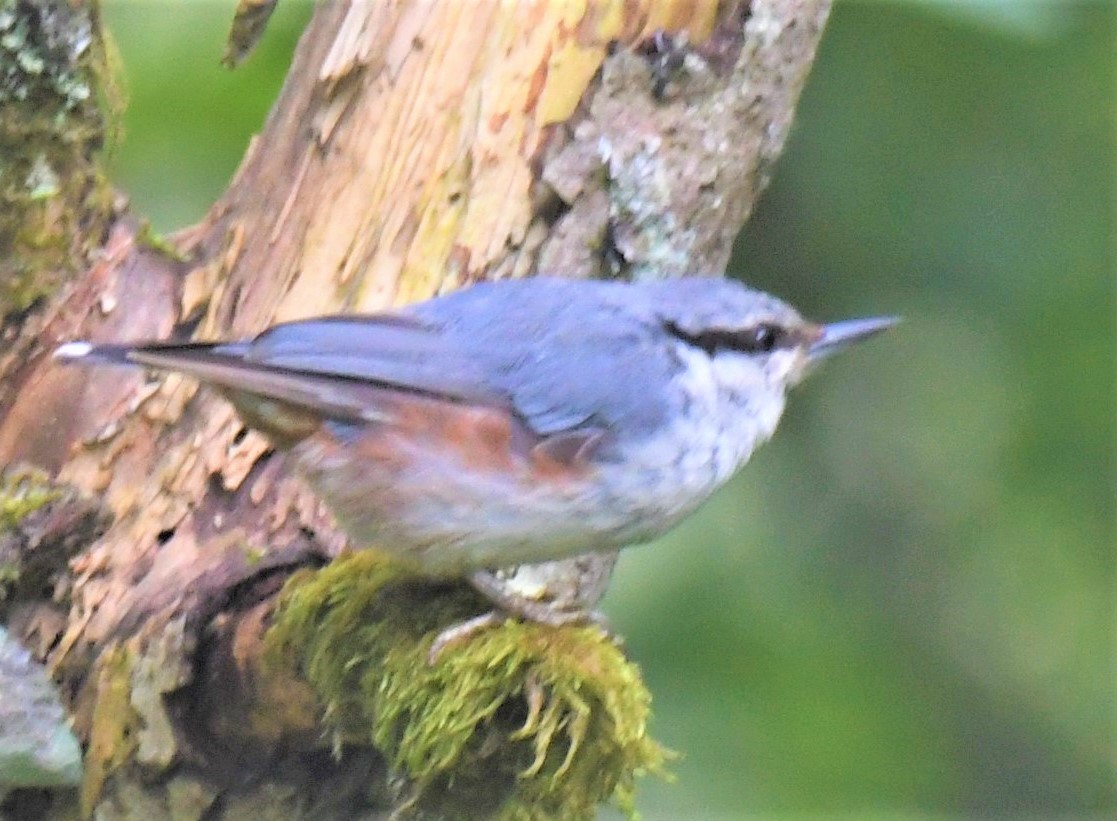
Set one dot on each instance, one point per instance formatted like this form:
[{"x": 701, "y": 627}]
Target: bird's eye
[{"x": 762, "y": 338}]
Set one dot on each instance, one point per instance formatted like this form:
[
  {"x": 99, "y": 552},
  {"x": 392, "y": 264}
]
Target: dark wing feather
[
  {"x": 335, "y": 366},
  {"x": 391, "y": 350},
  {"x": 338, "y": 398}
]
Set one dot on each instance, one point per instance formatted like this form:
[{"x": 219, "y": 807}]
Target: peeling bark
[{"x": 415, "y": 147}]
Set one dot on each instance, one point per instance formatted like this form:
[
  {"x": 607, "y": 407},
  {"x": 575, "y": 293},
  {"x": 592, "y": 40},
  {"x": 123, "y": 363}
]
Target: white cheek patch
[
  {"x": 735, "y": 402},
  {"x": 784, "y": 367},
  {"x": 722, "y": 408},
  {"x": 750, "y": 402}
]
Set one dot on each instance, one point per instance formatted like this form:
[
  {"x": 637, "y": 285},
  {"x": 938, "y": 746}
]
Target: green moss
[
  {"x": 519, "y": 721},
  {"x": 113, "y": 727},
  {"x": 9, "y": 575},
  {"x": 22, "y": 492},
  {"x": 57, "y": 103},
  {"x": 32, "y": 555},
  {"x": 150, "y": 238}
]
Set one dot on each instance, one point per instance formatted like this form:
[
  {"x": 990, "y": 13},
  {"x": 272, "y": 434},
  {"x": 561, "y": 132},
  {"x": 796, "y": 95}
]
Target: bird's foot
[
  {"x": 460, "y": 632},
  {"x": 528, "y": 602}
]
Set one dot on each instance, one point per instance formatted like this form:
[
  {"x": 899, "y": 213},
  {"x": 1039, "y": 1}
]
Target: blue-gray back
[
  {"x": 567, "y": 353},
  {"x": 562, "y": 353}
]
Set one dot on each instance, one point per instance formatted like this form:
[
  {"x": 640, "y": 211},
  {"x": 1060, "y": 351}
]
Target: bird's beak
[{"x": 837, "y": 335}]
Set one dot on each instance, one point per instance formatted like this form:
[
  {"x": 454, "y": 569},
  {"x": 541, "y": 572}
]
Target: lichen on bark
[{"x": 58, "y": 101}]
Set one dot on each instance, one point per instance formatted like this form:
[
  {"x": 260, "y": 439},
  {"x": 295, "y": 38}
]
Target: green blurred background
[{"x": 905, "y": 605}]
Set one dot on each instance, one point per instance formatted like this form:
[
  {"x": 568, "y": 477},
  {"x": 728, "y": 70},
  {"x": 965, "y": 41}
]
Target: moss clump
[
  {"x": 519, "y": 721},
  {"x": 42, "y": 525},
  {"x": 57, "y": 105},
  {"x": 22, "y": 492}
]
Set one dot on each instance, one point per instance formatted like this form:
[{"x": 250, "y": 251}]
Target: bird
[{"x": 516, "y": 421}]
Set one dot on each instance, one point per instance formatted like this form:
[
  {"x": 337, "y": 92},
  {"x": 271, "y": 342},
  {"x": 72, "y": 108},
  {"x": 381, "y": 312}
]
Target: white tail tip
[{"x": 72, "y": 350}]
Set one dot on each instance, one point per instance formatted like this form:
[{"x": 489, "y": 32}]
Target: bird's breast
[{"x": 719, "y": 413}]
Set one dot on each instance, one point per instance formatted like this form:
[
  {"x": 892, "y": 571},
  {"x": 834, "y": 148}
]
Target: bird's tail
[
  {"x": 88, "y": 353},
  {"x": 173, "y": 356},
  {"x": 220, "y": 363},
  {"x": 243, "y": 381}
]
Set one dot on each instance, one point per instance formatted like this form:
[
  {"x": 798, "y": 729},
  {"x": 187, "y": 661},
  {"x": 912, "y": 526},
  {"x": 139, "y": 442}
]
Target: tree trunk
[{"x": 416, "y": 147}]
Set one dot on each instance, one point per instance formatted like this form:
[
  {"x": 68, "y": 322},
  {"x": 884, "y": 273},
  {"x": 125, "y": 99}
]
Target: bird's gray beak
[{"x": 838, "y": 335}]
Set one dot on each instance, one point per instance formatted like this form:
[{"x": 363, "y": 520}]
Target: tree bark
[{"x": 416, "y": 147}]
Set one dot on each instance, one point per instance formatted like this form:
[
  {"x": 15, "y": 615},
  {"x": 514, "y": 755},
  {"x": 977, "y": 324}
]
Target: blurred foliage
[
  {"x": 905, "y": 604},
  {"x": 189, "y": 118}
]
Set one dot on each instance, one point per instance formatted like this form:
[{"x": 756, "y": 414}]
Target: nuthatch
[{"x": 519, "y": 421}]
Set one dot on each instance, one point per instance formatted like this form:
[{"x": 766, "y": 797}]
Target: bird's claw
[{"x": 460, "y": 632}]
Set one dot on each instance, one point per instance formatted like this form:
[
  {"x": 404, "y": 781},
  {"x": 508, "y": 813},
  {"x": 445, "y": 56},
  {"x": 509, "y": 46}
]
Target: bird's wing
[
  {"x": 335, "y": 366},
  {"x": 390, "y": 350},
  {"x": 572, "y": 355},
  {"x": 573, "y": 362}
]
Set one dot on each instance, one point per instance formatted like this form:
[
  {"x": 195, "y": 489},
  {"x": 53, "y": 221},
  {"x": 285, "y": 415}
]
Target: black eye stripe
[{"x": 760, "y": 338}]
